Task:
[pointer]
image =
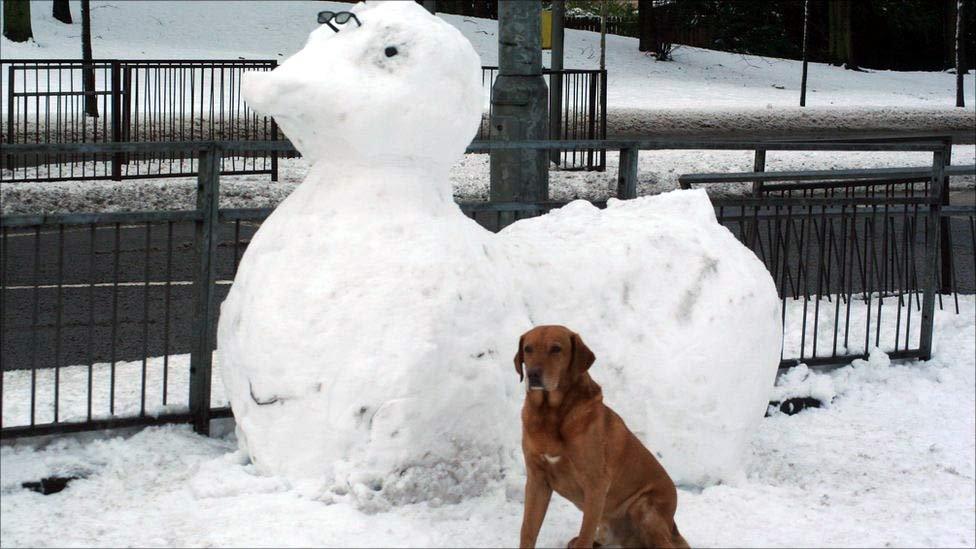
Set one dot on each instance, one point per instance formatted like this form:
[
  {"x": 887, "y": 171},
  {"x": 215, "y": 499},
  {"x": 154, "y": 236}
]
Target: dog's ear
[
  {"x": 518, "y": 359},
  {"x": 583, "y": 357}
]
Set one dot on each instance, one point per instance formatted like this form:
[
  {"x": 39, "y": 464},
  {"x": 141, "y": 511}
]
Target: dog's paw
[{"x": 573, "y": 544}]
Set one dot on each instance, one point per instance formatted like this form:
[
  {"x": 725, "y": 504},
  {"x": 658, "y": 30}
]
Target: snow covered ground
[
  {"x": 696, "y": 79},
  {"x": 890, "y": 461}
]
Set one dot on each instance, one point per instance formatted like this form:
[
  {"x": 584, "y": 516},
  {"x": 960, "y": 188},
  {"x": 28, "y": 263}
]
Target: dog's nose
[{"x": 535, "y": 378}]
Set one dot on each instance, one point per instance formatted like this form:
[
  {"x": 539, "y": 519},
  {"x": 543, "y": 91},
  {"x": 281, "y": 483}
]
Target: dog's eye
[
  {"x": 555, "y": 349},
  {"x": 528, "y": 349}
]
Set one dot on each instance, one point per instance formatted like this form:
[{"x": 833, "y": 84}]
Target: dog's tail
[{"x": 677, "y": 539}]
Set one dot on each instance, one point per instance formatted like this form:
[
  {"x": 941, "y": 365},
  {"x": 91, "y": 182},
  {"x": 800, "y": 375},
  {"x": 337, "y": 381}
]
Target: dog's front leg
[
  {"x": 594, "y": 499},
  {"x": 537, "y": 496}
]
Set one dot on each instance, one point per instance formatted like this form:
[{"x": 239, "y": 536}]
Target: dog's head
[{"x": 553, "y": 358}]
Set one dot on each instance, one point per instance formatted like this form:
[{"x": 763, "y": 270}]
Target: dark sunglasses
[{"x": 342, "y": 17}]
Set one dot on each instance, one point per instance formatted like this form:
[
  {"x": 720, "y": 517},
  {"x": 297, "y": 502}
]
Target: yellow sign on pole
[{"x": 546, "y": 33}]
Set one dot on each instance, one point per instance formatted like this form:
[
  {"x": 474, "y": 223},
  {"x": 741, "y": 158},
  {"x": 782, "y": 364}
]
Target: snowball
[{"x": 366, "y": 342}]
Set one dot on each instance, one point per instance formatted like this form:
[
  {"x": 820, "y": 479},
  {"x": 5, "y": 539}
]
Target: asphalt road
[{"x": 141, "y": 297}]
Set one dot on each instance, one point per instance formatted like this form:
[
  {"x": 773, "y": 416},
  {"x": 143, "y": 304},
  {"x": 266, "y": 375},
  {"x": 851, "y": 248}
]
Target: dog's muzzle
[{"x": 535, "y": 381}]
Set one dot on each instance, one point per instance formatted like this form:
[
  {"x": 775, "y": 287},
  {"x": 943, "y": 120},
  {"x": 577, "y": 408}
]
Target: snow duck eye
[{"x": 390, "y": 51}]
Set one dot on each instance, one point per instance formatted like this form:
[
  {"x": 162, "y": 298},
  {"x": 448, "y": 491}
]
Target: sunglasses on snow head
[{"x": 342, "y": 17}]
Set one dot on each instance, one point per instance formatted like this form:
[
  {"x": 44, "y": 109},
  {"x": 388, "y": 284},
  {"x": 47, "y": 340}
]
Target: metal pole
[
  {"x": 116, "y": 118},
  {"x": 960, "y": 96},
  {"x": 803, "y": 80},
  {"x": 929, "y": 266},
  {"x": 206, "y": 240},
  {"x": 627, "y": 174},
  {"x": 945, "y": 251},
  {"x": 556, "y": 76},
  {"x": 274, "y": 135},
  {"x": 519, "y": 107},
  {"x": 603, "y": 35}
]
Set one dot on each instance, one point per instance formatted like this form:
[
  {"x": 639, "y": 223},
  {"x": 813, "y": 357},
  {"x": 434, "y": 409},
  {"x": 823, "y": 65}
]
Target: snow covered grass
[
  {"x": 658, "y": 172},
  {"x": 890, "y": 460}
]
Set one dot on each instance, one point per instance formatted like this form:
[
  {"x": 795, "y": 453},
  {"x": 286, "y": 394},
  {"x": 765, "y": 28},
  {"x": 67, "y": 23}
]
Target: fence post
[
  {"x": 205, "y": 243},
  {"x": 10, "y": 113},
  {"x": 931, "y": 254},
  {"x": 591, "y": 130},
  {"x": 603, "y": 117},
  {"x": 274, "y": 135},
  {"x": 627, "y": 174},
  {"x": 945, "y": 278},
  {"x": 758, "y": 165},
  {"x": 117, "y": 158}
]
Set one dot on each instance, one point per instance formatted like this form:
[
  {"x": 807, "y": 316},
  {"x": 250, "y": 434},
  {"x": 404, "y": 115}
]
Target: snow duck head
[{"x": 394, "y": 84}]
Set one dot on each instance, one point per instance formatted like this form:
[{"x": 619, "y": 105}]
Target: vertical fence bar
[
  {"x": 116, "y": 118},
  {"x": 205, "y": 239},
  {"x": 945, "y": 244},
  {"x": 10, "y": 113},
  {"x": 931, "y": 253},
  {"x": 274, "y": 135},
  {"x": 603, "y": 117}
]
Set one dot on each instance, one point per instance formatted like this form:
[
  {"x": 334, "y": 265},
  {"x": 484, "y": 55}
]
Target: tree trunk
[
  {"x": 949, "y": 32},
  {"x": 16, "y": 20},
  {"x": 960, "y": 95},
  {"x": 88, "y": 72},
  {"x": 62, "y": 11},
  {"x": 841, "y": 43},
  {"x": 646, "y": 25}
]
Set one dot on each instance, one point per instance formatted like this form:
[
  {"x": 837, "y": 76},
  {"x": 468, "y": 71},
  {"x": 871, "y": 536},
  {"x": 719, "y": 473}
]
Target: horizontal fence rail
[{"x": 108, "y": 319}]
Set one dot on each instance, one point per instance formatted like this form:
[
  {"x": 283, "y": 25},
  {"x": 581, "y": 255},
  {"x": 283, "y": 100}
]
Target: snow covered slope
[{"x": 697, "y": 79}]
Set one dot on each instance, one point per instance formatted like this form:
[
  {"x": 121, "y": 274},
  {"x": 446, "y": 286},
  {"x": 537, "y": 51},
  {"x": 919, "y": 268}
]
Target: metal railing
[
  {"x": 45, "y": 101},
  {"x": 583, "y": 114},
  {"x": 108, "y": 319}
]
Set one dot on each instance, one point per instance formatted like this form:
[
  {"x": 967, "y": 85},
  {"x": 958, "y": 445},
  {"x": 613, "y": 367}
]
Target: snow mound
[{"x": 365, "y": 344}]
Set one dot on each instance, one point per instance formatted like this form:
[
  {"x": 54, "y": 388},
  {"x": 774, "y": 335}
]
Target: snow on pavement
[
  {"x": 889, "y": 461},
  {"x": 658, "y": 172}
]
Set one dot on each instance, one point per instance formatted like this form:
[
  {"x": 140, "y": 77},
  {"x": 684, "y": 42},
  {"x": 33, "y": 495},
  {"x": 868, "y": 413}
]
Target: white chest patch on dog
[{"x": 551, "y": 459}]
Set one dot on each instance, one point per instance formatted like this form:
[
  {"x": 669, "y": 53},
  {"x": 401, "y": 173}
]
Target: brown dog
[{"x": 576, "y": 445}]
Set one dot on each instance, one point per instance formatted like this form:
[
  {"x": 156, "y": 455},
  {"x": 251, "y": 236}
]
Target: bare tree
[
  {"x": 17, "y": 21},
  {"x": 960, "y": 96},
  {"x": 806, "y": 26},
  {"x": 62, "y": 11},
  {"x": 88, "y": 72}
]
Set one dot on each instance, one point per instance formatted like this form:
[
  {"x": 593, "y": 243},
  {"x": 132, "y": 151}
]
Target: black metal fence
[
  {"x": 622, "y": 26},
  {"x": 129, "y": 100},
  {"x": 583, "y": 114},
  {"x": 192, "y": 100},
  {"x": 108, "y": 319}
]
